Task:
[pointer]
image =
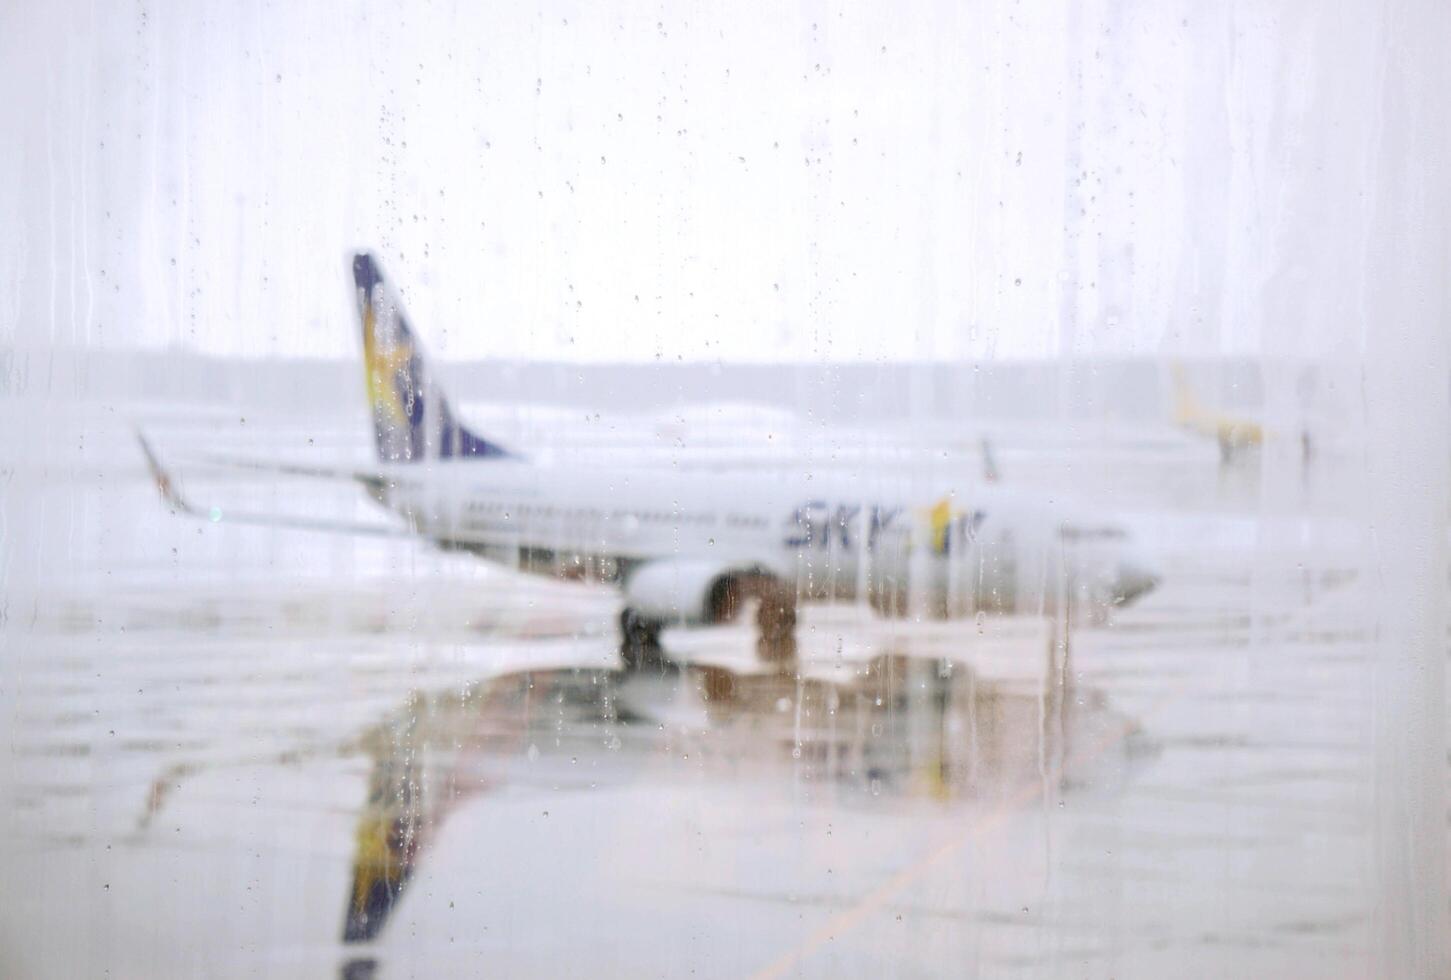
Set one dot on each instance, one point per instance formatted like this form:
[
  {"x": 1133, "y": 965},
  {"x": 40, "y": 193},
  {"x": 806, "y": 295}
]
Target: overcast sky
[{"x": 624, "y": 181}]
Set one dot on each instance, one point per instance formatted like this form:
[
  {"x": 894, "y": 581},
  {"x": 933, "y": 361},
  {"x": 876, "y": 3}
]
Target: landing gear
[
  {"x": 776, "y": 619},
  {"x": 775, "y": 622},
  {"x": 640, "y": 642},
  {"x": 775, "y": 612}
]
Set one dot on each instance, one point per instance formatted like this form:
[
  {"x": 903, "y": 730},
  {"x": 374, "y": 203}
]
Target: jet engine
[{"x": 694, "y": 593}]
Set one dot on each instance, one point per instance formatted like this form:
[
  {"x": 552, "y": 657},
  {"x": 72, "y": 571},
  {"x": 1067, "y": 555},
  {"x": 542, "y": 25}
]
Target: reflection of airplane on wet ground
[
  {"x": 892, "y": 727},
  {"x": 690, "y": 547}
]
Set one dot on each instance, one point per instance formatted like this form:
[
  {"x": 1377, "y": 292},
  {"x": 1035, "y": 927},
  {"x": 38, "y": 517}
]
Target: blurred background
[{"x": 1182, "y": 269}]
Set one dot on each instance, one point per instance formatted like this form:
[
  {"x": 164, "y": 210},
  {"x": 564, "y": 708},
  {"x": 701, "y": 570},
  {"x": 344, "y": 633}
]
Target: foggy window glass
[{"x": 770, "y": 491}]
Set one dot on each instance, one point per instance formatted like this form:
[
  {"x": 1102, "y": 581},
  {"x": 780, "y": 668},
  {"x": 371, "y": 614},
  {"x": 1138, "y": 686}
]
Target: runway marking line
[{"x": 883, "y": 893}]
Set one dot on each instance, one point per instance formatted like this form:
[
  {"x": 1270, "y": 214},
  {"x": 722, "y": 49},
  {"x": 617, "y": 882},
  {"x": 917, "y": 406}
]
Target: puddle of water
[{"x": 899, "y": 727}]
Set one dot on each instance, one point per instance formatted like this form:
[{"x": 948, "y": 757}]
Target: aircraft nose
[{"x": 1135, "y": 578}]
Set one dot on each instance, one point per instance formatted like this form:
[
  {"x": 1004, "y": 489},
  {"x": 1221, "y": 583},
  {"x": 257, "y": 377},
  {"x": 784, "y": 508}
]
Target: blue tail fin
[{"x": 412, "y": 419}]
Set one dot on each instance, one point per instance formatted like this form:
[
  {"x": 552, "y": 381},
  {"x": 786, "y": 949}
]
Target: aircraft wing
[
  {"x": 172, "y": 495},
  {"x": 368, "y": 478}
]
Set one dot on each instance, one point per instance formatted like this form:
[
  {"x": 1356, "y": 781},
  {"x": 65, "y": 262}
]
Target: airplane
[
  {"x": 1235, "y": 434},
  {"x": 692, "y": 548}
]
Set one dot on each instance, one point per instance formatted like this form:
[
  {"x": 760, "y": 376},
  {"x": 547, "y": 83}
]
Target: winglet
[{"x": 164, "y": 484}]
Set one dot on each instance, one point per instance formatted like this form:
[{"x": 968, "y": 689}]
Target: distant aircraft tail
[
  {"x": 1187, "y": 410},
  {"x": 412, "y": 419}
]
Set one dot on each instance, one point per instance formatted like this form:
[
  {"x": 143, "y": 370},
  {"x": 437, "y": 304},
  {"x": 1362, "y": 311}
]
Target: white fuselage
[{"x": 897, "y": 542}]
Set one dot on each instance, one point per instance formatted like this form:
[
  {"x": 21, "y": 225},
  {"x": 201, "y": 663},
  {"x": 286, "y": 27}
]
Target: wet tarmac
[{"x": 243, "y": 753}]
